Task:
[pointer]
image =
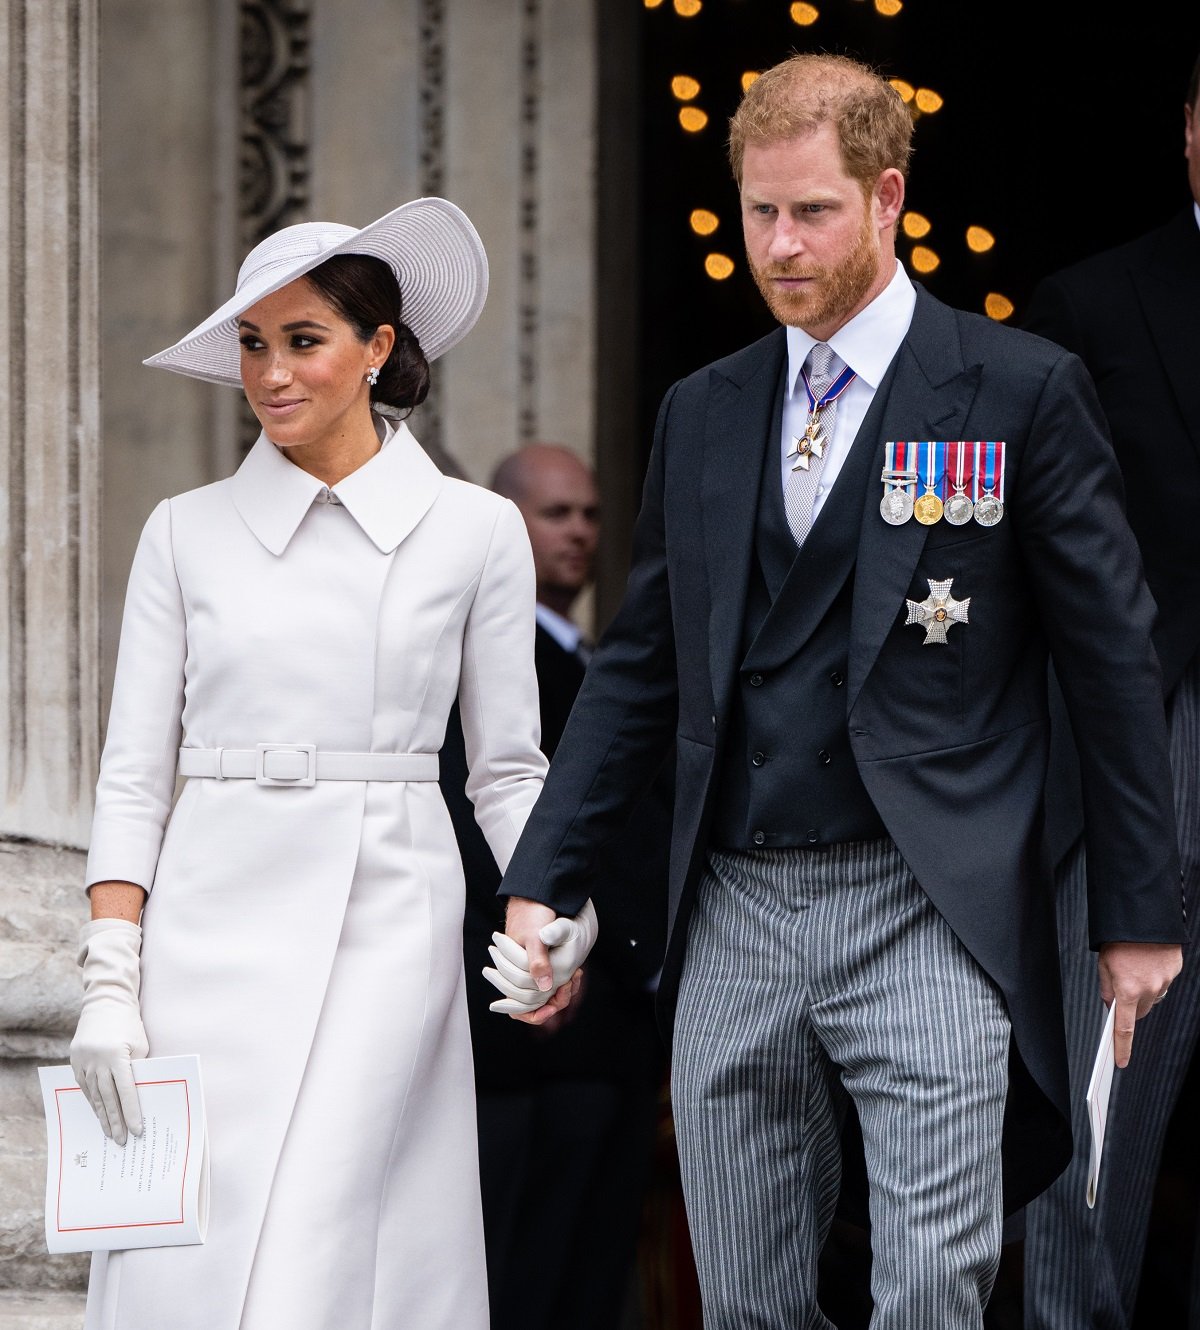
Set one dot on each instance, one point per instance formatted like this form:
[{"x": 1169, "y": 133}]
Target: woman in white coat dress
[{"x": 293, "y": 640}]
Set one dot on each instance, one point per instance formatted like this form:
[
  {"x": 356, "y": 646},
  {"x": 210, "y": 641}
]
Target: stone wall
[
  {"x": 49, "y": 601},
  {"x": 41, "y": 908}
]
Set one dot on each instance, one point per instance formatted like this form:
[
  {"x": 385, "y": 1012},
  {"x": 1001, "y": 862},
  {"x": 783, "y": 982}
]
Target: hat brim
[{"x": 430, "y": 245}]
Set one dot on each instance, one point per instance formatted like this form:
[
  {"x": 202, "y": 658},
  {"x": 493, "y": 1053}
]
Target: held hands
[
  {"x": 1135, "y": 975},
  {"x": 110, "y": 1032},
  {"x": 537, "y": 961}
]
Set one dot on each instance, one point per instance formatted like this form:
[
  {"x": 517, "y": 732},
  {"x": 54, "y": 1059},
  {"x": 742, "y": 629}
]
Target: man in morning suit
[
  {"x": 858, "y": 704},
  {"x": 567, "y": 1114},
  {"x": 1133, "y": 315}
]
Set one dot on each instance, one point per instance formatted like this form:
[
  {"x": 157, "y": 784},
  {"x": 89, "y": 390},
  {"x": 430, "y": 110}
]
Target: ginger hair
[{"x": 804, "y": 92}]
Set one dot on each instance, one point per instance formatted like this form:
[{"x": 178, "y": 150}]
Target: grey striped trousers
[
  {"x": 1083, "y": 1267},
  {"x": 811, "y": 975}
]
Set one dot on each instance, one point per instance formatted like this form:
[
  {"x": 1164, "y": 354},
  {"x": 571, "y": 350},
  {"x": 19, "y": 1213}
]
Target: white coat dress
[{"x": 306, "y": 942}]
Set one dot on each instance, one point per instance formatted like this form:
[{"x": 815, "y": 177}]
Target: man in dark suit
[
  {"x": 567, "y": 1112},
  {"x": 1133, "y": 315},
  {"x": 856, "y": 908}
]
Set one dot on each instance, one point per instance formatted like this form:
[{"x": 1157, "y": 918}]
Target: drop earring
[{"x": 373, "y": 376}]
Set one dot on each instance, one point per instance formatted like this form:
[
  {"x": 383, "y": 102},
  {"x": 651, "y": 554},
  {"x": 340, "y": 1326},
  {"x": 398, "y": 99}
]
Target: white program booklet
[
  {"x": 151, "y": 1192},
  {"x": 1099, "y": 1088}
]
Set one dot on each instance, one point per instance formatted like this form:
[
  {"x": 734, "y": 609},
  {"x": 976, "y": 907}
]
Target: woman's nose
[{"x": 277, "y": 372}]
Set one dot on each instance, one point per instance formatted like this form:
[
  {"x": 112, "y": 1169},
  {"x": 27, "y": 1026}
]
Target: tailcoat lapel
[
  {"x": 1169, "y": 291},
  {"x": 931, "y": 393},
  {"x": 741, "y": 427}
]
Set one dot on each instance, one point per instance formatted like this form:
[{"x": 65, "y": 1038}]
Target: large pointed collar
[{"x": 387, "y": 496}]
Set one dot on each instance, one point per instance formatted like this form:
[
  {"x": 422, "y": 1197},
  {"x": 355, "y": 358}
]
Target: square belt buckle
[{"x": 283, "y": 761}]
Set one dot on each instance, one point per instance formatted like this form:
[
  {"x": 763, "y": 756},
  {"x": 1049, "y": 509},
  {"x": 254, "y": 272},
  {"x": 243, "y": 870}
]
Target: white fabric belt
[{"x": 302, "y": 764}]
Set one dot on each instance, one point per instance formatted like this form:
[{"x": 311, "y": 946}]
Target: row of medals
[{"x": 898, "y": 505}]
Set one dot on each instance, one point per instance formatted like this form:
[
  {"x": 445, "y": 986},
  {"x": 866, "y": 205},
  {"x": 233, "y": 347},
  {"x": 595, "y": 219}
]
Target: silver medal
[
  {"x": 958, "y": 509},
  {"x": 989, "y": 510},
  {"x": 896, "y": 506}
]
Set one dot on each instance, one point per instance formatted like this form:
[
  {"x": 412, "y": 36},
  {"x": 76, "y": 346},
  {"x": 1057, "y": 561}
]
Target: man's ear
[{"x": 888, "y": 197}]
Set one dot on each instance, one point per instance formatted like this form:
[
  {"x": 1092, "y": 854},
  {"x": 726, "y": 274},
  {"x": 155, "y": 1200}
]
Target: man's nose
[{"x": 786, "y": 240}]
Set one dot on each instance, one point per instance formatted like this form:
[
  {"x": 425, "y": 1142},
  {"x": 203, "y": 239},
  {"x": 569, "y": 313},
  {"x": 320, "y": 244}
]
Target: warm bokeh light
[
  {"x": 998, "y": 306},
  {"x": 652, "y": 4},
  {"x": 889, "y": 8},
  {"x": 703, "y": 222},
  {"x": 692, "y": 118},
  {"x": 916, "y": 225},
  {"x": 685, "y": 87},
  {"x": 748, "y": 78},
  {"x": 687, "y": 8},
  {"x": 924, "y": 259},
  {"x": 979, "y": 239},
  {"x": 906, "y": 90},
  {"x": 805, "y": 15},
  {"x": 718, "y": 266},
  {"x": 929, "y": 101}
]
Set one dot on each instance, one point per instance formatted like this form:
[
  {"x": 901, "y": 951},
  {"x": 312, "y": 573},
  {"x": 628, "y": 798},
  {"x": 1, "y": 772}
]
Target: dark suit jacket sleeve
[
  {"x": 620, "y": 727},
  {"x": 1085, "y": 584}
]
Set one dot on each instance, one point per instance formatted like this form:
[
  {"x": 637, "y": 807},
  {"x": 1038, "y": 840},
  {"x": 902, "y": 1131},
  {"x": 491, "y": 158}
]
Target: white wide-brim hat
[{"x": 430, "y": 245}]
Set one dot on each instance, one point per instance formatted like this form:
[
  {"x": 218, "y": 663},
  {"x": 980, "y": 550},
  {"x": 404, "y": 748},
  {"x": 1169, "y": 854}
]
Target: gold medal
[{"x": 928, "y": 509}]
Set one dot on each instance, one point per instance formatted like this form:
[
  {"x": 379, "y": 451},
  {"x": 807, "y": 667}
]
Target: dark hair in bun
[{"x": 364, "y": 291}]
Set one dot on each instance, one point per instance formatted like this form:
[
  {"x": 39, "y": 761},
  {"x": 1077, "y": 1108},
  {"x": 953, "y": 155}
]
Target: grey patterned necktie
[{"x": 800, "y": 489}]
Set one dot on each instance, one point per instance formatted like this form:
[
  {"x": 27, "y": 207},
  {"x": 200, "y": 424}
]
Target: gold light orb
[
  {"x": 906, "y": 90},
  {"x": 748, "y": 78},
  {"x": 692, "y": 118},
  {"x": 652, "y": 4},
  {"x": 889, "y": 8},
  {"x": 924, "y": 260},
  {"x": 997, "y": 306},
  {"x": 805, "y": 15},
  {"x": 685, "y": 87},
  {"x": 979, "y": 239},
  {"x": 718, "y": 266},
  {"x": 687, "y": 8},
  {"x": 929, "y": 101},
  {"x": 703, "y": 222},
  {"x": 916, "y": 225}
]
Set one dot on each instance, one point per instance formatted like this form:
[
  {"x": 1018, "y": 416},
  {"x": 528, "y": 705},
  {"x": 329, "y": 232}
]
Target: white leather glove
[
  {"x": 569, "y": 940},
  {"x": 110, "y": 1031}
]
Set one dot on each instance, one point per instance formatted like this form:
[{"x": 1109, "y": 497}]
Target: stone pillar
[
  {"x": 49, "y": 657},
  {"x": 493, "y": 107}
]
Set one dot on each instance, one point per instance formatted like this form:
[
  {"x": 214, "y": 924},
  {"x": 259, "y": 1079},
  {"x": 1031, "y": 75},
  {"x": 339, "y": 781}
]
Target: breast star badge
[{"x": 937, "y": 611}]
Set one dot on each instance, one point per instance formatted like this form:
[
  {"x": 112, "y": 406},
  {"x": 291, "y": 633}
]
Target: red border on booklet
[{"x": 148, "y": 1223}]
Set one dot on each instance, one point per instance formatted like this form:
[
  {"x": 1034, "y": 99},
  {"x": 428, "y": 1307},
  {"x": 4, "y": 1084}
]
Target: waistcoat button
[
  {"x": 758, "y": 759},
  {"x": 760, "y": 838}
]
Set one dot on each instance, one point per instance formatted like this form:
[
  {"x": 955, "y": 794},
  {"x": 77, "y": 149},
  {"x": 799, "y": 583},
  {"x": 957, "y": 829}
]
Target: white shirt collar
[
  {"x": 1196, "y": 211},
  {"x": 387, "y": 496},
  {"x": 565, "y": 633},
  {"x": 869, "y": 341}
]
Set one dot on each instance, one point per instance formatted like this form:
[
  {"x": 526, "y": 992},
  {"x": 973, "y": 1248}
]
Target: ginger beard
[{"x": 837, "y": 291}]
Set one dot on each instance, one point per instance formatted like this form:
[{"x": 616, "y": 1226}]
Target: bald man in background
[{"x": 567, "y": 1112}]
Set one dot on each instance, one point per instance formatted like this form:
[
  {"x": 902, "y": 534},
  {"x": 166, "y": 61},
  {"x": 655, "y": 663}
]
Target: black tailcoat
[
  {"x": 1132, "y": 314},
  {"x": 950, "y": 741}
]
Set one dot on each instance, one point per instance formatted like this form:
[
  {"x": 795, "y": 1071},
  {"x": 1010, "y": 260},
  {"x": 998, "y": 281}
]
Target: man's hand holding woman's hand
[{"x": 536, "y": 961}]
